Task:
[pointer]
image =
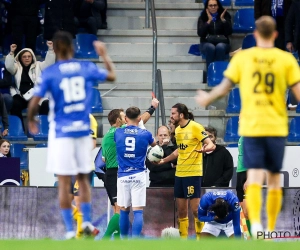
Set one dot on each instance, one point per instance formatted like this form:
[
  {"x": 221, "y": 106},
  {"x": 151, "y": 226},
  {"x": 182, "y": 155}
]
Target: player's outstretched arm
[
  {"x": 208, "y": 146},
  {"x": 146, "y": 116},
  {"x": 296, "y": 91},
  {"x": 32, "y": 111},
  {"x": 101, "y": 51},
  {"x": 204, "y": 98},
  {"x": 171, "y": 157}
]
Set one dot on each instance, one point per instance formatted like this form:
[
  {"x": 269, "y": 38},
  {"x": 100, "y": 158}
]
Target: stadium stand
[
  {"x": 97, "y": 102},
  {"x": 231, "y": 133},
  {"x": 225, "y": 2},
  {"x": 41, "y": 46},
  {"x": 294, "y": 130},
  {"x": 215, "y": 72},
  {"x": 234, "y": 101},
  {"x": 84, "y": 46},
  {"x": 43, "y": 126},
  {"x": 244, "y": 21},
  {"x": 15, "y": 132},
  {"x": 248, "y": 41},
  {"x": 244, "y": 3},
  {"x": 41, "y": 145},
  {"x": 16, "y": 150}
]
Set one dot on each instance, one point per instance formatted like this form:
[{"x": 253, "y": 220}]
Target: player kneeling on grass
[{"x": 220, "y": 210}]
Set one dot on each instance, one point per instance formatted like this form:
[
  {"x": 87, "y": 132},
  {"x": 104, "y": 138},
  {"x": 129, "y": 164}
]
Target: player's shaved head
[
  {"x": 265, "y": 26},
  {"x": 133, "y": 113}
]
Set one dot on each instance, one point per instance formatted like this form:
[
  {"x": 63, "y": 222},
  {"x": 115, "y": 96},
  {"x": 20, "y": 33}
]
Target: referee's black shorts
[
  {"x": 111, "y": 177},
  {"x": 241, "y": 178}
]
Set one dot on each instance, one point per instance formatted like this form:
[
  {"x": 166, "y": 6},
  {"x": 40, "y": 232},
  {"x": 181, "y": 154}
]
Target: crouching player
[{"x": 220, "y": 210}]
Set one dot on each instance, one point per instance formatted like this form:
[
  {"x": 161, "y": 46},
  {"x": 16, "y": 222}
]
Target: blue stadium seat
[
  {"x": 225, "y": 2},
  {"x": 41, "y": 145},
  {"x": 234, "y": 101},
  {"x": 244, "y": 21},
  {"x": 231, "y": 133},
  {"x": 41, "y": 47},
  {"x": 195, "y": 50},
  {"x": 84, "y": 46},
  {"x": 96, "y": 102},
  {"x": 244, "y": 2},
  {"x": 298, "y": 108},
  {"x": 248, "y": 41},
  {"x": 15, "y": 132},
  {"x": 16, "y": 150},
  {"x": 233, "y": 145},
  {"x": 43, "y": 126},
  {"x": 215, "y": 72},
  {"x": 294, "y": 131}
]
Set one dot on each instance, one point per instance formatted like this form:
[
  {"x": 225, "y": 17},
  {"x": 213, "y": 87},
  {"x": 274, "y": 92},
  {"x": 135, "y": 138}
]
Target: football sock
[
  {"x": 273, "y": 206},
  {"x": 77, "y": 216},
  {"x": 75, "y": 212},
  {"x": 113, "y": 226},
  {"x": 254, "y": 202},
  {"x": 183, "y": 227},
  {"x": 85, "y": 208},
  {"x": 68, "y": 219},
  {"x": 124, "y": 223},
  {"x": 137, "y": 224},
  {"x": 249, "y": 226},
  {"x": 198, "y": 227}
]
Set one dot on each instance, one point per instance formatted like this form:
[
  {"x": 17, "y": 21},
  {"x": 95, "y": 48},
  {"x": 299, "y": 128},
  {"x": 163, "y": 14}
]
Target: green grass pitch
[{"x": 218, "y": 244}]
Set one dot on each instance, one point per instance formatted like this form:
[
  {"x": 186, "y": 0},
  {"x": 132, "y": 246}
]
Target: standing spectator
[
  {"x": 59, "y": 15},
  {"x": 3, "y": 116},
  {"x": 26, "y": 70},
  {"x": 292, "y": 27},
  {"x": 6, "y": 81},
  {"x": 217, "y": 165},
  {"x": 279, "y": 11},
  {"x": 163, "y": 175},
  {"x": 4, "y": 147},
  {"x": 88, "y": 15},
  {"x": 214, "y": 27},
  {"x": 24, "y": 21},
  {"x": 103, "y": 15}
]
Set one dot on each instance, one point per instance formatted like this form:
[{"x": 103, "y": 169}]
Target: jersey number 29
[{"x": 73, "y": 89}]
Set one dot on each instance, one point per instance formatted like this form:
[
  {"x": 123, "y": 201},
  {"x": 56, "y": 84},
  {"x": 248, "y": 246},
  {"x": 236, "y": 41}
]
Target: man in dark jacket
[
  {"x": 217, "y": 165},
  {"x": 292, "y": 27},
  {"x": 88, "y": 14},
  {"x": 163, "y": 175},
  {"x": 278, "y": 10},
  {"x": 3, "y": 117}
]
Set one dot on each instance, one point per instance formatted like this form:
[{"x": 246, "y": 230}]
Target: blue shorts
[
  {"x": 264, "y": 153},
  {"x": 187, "y": 187}
]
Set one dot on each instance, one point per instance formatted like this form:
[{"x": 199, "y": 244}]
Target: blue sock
[
  {"x": 124, "y": 223},
  {"x": 137, "y": 224},
  {"x": 85, "y": 208},
  {"x": 68, "y": 218}
]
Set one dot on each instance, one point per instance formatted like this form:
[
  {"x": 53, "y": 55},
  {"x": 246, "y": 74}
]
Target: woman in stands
[
  {"x": 26, "y": 69},
  {"x": 214, "y": 27},
  {"x": 4, "y": 147}
]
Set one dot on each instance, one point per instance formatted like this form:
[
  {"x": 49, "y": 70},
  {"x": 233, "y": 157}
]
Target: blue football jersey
[
  {"x": 132, "y": 143},
  {"x": 68, "y": 84}
]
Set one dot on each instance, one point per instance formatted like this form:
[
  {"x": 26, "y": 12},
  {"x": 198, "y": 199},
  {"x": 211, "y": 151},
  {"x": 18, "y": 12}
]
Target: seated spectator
[
  {"x": 214, "y": 27},
  {"x": 26, "y": 70},
  {"x": 6, "y": 81},
  {"x": 88, "y": 15},
  {"x": 163, "y": 175},
  {"x": 217, "y": 165},
  {"x": 4, "y": 148},
  {"x": 3, "y": 116},
  {"x": 292, "y": 28}
]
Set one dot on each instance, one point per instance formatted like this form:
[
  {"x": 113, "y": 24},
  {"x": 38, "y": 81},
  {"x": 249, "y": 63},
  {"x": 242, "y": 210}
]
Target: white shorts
[
  {"x": 215, "y": 228},
  {"x": 69, "y": 156},
  {"x": 131, "y": 190}
]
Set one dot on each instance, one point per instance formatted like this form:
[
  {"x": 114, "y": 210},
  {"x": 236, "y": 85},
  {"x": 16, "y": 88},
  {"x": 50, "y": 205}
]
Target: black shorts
[
  {"x": 241, "y": 178},
  {"x": 111, "y": 177},
  {"x": 187, "y": 187},
  {"x": 75, "y": 186},
  {"x": 264, "y": 153}
]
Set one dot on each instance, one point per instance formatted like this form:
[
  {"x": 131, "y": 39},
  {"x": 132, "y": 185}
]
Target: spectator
[
  {"x": 88, "y": 15},
  {"x": 4, "y": 148},
  {"x": 59, "y": 15},
  {"x": 26, "y": 70},
  {"x": 214, "y": 27},
  {"x": 292, "y": 27},
  {"x": 172, "y": 132},
  {"x": 217, "y": 165},
  {"x": 6, "y": 81},
  {"x": 278, "y": 10},
  {"x": 3, "y": 116},
  {"x": 163, "y": 175},
  {"x": 24, "y": 22},
  {"x": 103, "y": 15}
]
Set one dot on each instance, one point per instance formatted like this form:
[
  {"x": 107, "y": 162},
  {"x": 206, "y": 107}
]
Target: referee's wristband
[{"x": 150, "y": 110}]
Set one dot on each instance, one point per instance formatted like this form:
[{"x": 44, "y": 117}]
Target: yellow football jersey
[
  {"x": 189, "y": 138},
  {"x": 264, "y": 74}
]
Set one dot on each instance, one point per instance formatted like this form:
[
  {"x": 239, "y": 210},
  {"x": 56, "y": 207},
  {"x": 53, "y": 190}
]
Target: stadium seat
[
  {"x": 41, "y": 47},
  {"x": 231, "y": 133},
  {"x": 96, "y": 102},
  {"x": 225, "y": 2},
  {"x": 244, "y": 2},
  {"x": 84, "y": 46},
  {"x": 294, "y": 131},
  {"x": 195, "y": 50},
  {"x": 248, "y": 41},
  {"x": 16, "y": 150},
  {"x": 244, "y": 21},
  {"x": 43, "y": 126},
  {"x": 215, "y": 72},
  {"x": 234, "y": 101},
  {"x": 15, "y": 132},
  {"x": 233, "y": 145},
  {"x": 7, "y": 41},
  {"x": 41, "y": 145}
]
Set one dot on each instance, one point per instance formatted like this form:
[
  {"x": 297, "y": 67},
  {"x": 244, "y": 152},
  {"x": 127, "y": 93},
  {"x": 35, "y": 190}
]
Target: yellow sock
[
  {"x": 198, "y": 227},
  {"x": 273, "y": 206},
  {"x": 183, "y": 227},
  {"x": 254, "y": 202},
  {"x": 79, "y": 230},
  {"x": 75, "y": 212}
]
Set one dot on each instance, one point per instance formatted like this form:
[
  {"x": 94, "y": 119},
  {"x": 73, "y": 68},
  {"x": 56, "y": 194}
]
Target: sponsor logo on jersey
[{"x": 182, "y": 146}]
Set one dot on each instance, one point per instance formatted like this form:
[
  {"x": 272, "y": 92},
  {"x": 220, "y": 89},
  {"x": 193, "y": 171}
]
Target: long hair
[
  {"x": 204, "y": 16},
  {"x": 220, "y": 208},
  {"x": 63, "y": 43},
  {"x": 182, "y": 109}
]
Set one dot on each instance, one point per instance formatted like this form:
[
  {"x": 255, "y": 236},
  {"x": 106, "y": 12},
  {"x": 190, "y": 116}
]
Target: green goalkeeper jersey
[
  {"x": 109, "y": 149},
  {"x": 240, "y": 165}
]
